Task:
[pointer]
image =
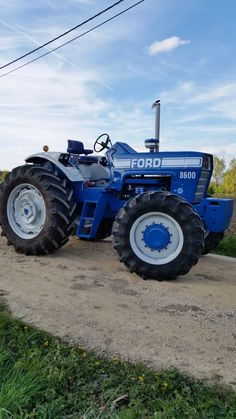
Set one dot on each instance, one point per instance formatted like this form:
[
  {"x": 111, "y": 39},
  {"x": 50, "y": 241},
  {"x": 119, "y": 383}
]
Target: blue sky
[{"x": 182, "y": 52}]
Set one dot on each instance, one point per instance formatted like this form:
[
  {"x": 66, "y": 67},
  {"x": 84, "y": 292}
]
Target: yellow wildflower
[
  {"x": 141, "y": 378},
  {"x": 115, "y": 359},
  {"x": 46, "y": 343}
]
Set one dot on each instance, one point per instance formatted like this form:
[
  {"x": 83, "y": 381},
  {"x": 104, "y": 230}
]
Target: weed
[
  {"x": 227, "y": 246},
  {"x": 57, "y": 380}
]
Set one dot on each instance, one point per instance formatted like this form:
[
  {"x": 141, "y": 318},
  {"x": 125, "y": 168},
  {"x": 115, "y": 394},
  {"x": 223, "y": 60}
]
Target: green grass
[
  {"x": 227, "y": 247},
  {"x": 43, "y": 377}
]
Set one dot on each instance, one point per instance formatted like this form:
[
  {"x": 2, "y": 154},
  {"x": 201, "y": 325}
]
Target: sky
[{"x": 181, "y": 52}]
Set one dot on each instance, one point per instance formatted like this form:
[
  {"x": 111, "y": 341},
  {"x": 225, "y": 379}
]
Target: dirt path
[{"x": 84, "y": 294}]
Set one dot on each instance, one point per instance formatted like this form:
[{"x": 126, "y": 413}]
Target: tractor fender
[{"x": 70, "y": 172}]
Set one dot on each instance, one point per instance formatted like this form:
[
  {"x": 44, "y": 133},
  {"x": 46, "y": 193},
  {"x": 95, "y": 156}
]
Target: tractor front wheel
[
  {"x": 37, "y": 209},
  {"x": 158, "y": 235}
]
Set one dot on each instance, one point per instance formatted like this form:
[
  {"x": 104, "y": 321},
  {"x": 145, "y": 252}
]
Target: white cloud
[
  {"x": 217, "y": 100},
  {"x": 104, "y": 83},
  {"x": 166, "y": 45},
  {"x": 201, "y": 117},
  {"x": 50, "y": 101}
]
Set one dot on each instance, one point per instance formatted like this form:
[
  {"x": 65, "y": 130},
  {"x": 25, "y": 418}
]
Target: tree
[
  {"x": 229, "y": 182},
  {"x": 232, "y": 164},
  {"x": 219, "y": 168}
]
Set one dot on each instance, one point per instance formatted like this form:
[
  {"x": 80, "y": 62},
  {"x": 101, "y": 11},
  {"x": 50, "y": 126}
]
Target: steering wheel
[{"x": 103, "y": 144}]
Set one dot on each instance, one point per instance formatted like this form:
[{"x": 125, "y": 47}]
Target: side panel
[
  {"x": 189, "y": 172},
  {"x": 216, "y": 213}
]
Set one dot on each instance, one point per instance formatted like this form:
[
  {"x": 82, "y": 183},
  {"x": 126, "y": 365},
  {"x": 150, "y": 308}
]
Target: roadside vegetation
[
  {"x": 3, "y": 174},
  {"x": 227, "y": 247},
  {"x": 223, "y": 182},
  {"x": 43, "y": 377}
]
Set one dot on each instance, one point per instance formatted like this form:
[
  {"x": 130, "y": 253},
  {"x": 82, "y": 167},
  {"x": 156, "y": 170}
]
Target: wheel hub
[
  {"x": 156, "y": 236},
  {"x": 26, "y": 211}
]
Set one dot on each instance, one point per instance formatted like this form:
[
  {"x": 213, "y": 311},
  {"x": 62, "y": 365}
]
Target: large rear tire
[
  {"x": 211, "y": 241},
  {"x": 158, "y": 235},
  {"x": 37, "y": 209}
]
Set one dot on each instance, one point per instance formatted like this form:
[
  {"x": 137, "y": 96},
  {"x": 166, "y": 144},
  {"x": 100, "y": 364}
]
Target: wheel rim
[
  {"x": 156, "y": 238},
  {"x": 26, "y": 211}
]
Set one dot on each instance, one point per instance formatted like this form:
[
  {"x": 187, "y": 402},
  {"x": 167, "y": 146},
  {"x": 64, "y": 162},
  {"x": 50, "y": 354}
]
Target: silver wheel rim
[
  {"x": 26, "y": 211},
  {"x": 152, "y": 256}
]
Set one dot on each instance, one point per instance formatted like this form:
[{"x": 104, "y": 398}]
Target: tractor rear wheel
[
  {"x": 37, "y": 209},
  {"x": 158, "y": 235},
  {"x": 211, "y": 241}
]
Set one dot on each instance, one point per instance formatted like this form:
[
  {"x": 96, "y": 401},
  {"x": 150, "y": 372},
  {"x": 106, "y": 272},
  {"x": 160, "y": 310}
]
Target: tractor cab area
[
  {"x": 76, "y": 148},
  {"x": 94, "y": 169}
]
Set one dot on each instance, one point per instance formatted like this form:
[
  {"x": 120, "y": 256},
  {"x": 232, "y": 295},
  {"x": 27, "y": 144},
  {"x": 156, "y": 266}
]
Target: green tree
[
  {"x": 211, "y": 189},
  {"x": 219, "y": 168},
  {"x": 229, "y": 181},
  {"x": 232, "y": 164}
]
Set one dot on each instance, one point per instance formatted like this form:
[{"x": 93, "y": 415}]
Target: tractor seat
[{"x": 77, "y": 147}]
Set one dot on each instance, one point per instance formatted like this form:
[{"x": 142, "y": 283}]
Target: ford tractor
[{"x": 154, "y": 204}]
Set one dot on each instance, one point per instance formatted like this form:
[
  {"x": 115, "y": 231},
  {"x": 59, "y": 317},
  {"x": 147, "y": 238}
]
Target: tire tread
[
  {"x": 61, "y": 209},
  {"x": 177, "y": 208}
]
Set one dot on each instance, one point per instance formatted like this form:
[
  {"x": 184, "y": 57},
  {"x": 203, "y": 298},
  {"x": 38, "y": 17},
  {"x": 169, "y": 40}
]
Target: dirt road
[{"x": 84, "y": 294}]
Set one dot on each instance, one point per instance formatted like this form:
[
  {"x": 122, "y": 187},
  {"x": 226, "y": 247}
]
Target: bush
[
  {"x": 211, "y": 189},
  {"x": 227, "y": 246}
]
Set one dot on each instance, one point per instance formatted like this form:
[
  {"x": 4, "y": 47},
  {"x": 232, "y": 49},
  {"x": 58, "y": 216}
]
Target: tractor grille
[{"x": 202, "y": 184}]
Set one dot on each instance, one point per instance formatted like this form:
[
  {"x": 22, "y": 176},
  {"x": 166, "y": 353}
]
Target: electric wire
[
  {"x": 63, "y": 34},
  {"x": 73, "y": 39}
]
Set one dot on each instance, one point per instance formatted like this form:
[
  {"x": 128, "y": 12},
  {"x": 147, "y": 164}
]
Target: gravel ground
[{"x": 82, "y": 293}]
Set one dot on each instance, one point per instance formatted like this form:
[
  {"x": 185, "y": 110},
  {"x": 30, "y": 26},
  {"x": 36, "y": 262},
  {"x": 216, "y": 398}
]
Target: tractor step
[{"x": 90, "y": 218}]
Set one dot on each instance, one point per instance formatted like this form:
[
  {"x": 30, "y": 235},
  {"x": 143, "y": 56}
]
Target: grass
[
  {"x": 43, "y": 377},
  {"x": 227, "y": 247}
]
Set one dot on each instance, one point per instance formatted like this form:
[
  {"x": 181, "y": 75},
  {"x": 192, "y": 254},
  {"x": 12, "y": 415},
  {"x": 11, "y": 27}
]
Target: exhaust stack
[
  {"x": 153, "y": 143},
  {"x": 157, "y": 106}
]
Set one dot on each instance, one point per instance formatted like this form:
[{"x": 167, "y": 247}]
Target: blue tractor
[{"x": 154, "y": 204}]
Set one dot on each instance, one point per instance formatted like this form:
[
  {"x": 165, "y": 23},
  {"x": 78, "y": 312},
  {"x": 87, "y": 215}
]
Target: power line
[
  {"x": 73, "y": 39},
  {"x": 63, "y": 34}
]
